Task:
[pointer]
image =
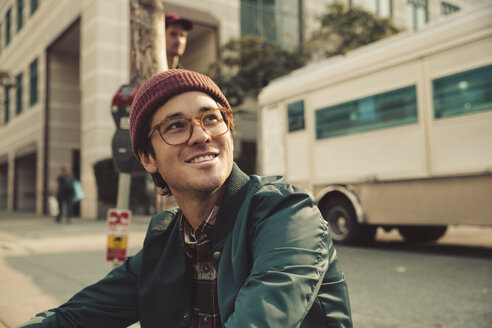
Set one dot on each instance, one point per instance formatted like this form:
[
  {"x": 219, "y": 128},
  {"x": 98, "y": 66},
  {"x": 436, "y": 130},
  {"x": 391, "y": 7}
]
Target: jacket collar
[{"x": 234, "y": 195}]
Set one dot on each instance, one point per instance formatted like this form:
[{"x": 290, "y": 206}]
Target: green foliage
[
  {"x": 344, "y": 28},
  {"x": 249, "y": 63}
]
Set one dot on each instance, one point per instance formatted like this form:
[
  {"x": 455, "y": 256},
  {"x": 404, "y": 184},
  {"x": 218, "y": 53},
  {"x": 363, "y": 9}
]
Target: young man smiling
[{"x": 239, "y": 251}]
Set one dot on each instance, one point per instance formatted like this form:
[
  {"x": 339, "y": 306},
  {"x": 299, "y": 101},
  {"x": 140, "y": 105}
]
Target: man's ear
[{"x": 148, "y": 162}]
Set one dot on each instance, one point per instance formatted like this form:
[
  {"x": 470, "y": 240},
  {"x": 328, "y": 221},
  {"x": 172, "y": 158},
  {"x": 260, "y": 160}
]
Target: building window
[
  {"x": 6, "y": 114},
  {"x": 447, "y": 8},
  {"x": 8, "y": 18},
  {"x": 295, "y": 113},
  {"x": 380, "y": 111},
  {"x": 20, "y": 10},
  {"x": 382, "y": 8},
  {"x": 18, "y": 94},
  {"x": 463, "y": 93},
  {"x": 33, "y": 82},
  {"x": 277, "y": 21},
  {"x": 34, "y": 6},
  {"x": 417, "y": 14}
]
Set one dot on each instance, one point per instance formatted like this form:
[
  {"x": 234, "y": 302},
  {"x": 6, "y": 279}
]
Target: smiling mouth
[{"x": 201, "y": 159}]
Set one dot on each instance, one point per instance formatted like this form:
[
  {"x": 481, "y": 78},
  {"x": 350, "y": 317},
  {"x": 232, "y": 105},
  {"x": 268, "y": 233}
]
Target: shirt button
[
  {"x": 205, "y": 319},
  {"x": 217, "y": 255}
]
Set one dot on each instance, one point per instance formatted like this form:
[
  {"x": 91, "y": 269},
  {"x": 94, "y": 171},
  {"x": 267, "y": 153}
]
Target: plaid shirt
[{"x": 198, "y": 245}]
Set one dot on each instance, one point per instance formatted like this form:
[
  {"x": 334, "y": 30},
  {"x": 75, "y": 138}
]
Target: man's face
[
  {"x": 176, "y": 38},
  {"x": 203, "y": 163}
]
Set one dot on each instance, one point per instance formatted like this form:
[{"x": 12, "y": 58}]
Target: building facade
[{"x": 68, "y": 57}]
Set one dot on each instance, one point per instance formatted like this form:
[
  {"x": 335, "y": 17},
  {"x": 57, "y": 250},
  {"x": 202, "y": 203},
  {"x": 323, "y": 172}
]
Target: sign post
[{"x": 118, "y": 222}]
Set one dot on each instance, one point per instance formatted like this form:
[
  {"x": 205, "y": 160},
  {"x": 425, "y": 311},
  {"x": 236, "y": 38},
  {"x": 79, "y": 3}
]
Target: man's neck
[
  {"x": 172, "y": 61},
  {"x": 196, "y": 207}
]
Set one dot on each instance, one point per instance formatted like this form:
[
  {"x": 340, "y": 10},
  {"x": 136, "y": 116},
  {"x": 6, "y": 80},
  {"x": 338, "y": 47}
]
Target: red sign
[{"x": 118, "y": 222}]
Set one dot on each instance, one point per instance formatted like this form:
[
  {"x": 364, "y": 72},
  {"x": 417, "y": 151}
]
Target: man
[
  {"x": 177, "y": 29},
  {"x": 239, "y": 251},
  {"x": 64, "y": 193}
]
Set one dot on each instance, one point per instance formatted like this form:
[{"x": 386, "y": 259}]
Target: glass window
[
  {"x": 417, "y": 14},
  {"x": 20, "y": 10},
  {"x": 6, "y": 114},
  {"x": 8, "y": 19},
  {"x": 447, "y": 8},
  {"x": 463, "y": 93},
  {"x": 277, "y": 21},
  {"x": 380, "y": 111},
  {"x": 18, "y": 94},
  {"x": 381, "y": 8},
  {"x": 295, "y": 112},
  {"x": 385, "y": 8},
  {"x": 33, "y": 82},
  {"x": 34, "y": 6}
]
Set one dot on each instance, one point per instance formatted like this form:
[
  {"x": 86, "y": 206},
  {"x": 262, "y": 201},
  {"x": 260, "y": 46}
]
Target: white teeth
[{"x": 200, "y": 159}]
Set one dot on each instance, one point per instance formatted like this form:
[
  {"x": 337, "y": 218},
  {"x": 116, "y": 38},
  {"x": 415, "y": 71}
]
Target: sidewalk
[{"x": 42, "y": 263}]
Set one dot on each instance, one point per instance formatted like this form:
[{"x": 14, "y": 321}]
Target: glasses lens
[
  {"x": 175, "y": 130},
  {"x": 214, "y": 122}
]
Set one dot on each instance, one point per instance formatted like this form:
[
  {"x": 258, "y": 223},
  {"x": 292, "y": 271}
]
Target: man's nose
[{"x": 198, "y": 134}]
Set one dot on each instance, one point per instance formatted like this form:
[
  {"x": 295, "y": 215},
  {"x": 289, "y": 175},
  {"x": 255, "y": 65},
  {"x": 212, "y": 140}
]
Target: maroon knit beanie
[{"x": 159, "y": 89}]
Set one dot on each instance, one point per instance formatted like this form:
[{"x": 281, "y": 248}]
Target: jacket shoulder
[
  {"x": 162, "y": 220},
  {"x": 269, "y": 195},
  {"x": 275, "y": 187}
]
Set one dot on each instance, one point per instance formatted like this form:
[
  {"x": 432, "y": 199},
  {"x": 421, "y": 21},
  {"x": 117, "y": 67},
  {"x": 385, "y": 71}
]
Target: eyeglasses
[{"x": 177, "y": 130}]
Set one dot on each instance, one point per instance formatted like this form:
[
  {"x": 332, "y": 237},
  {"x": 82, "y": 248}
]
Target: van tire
[
  {"x": 344, "y": 228},
  {"x": 415, "y": 234}
]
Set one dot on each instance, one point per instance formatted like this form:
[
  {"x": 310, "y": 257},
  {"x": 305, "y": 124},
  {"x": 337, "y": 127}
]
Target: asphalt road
[
  {"x": 396, "y": 285},
  {"x": 391, "y": 284}
]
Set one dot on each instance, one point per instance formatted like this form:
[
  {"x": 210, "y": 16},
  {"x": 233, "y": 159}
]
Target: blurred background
[
  {"x": 381, "y": 108},
  {"x": 62, "y": 62}
]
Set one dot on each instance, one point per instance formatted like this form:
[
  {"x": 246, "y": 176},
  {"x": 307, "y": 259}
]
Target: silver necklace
[{"x": 193, "y": 231}]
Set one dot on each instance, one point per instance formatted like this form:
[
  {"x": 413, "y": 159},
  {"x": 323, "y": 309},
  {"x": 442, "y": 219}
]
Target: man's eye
[
  {"x": 210, "y": 118},
  {"x": 174, "y": 126}
]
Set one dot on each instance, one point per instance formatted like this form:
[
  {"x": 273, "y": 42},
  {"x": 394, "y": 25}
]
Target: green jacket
[{"x": 275, "y": 261}]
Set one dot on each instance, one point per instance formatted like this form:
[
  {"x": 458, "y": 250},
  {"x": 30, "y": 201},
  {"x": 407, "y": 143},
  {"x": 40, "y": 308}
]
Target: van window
[{"x": 379, "y": 111}]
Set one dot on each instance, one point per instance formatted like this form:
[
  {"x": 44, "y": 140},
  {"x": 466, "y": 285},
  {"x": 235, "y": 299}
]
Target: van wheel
[
  {"x": 344, "y": 228},
  {"x": 413, "y": 234}
]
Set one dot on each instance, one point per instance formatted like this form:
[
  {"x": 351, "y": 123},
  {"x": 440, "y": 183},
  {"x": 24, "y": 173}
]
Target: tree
[
  {"x": 148, "y": 39},
  {"x": 345, "y": 28},
  {"x": 249, "y": 63}
]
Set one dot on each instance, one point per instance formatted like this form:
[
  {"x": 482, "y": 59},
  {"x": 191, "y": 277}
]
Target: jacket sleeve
[
  {"x": 292, "y": 256},
  {"x": 110, "y": 302}
]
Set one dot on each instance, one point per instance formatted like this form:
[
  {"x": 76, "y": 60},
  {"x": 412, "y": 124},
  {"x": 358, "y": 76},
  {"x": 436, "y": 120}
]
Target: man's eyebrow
[
  {"x": 174, "y": 115},
  {"x": 206, "y": 108},
  {"x": 180, "y": 114}
]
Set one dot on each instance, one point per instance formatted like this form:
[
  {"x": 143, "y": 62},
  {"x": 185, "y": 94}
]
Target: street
[{"x": 391, "y": 284}]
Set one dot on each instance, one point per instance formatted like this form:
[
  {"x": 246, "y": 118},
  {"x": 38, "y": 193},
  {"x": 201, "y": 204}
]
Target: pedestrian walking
[
  {"x": 64, "y": 193},
  {"x": 239, "y": 251}
]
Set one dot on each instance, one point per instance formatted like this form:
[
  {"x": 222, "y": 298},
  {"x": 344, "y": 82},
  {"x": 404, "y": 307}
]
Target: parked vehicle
[{"x": 397, "y": 134}]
